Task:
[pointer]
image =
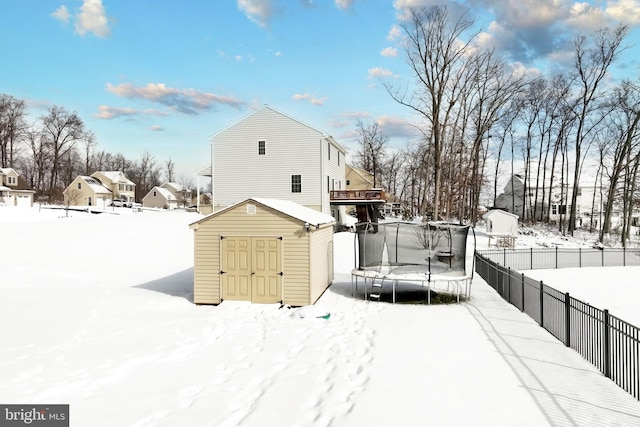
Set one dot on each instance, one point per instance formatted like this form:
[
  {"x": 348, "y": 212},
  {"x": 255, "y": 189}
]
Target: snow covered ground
[{"x": 96, "y": 311}]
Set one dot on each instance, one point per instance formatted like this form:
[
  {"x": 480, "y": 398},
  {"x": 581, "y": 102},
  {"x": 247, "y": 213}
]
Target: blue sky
[{"x": 164, "y": 76}]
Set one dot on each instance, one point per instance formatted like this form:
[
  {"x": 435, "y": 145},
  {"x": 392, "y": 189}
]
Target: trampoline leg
[{"x": 393, "y": 284}]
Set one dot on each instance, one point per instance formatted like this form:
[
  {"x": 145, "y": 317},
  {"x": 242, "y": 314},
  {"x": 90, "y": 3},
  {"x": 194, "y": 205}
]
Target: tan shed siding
[
  {"x": 265, "y": 222},
  {"x": 321, "y": 249},
  {"x": 292, "y": 148},
  {"x": 206, "y": 278}
]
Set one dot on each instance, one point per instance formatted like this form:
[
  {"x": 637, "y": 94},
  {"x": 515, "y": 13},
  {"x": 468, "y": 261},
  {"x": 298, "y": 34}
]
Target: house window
[
  {"x": 338, "y": 158},
  {"x": 12, "y": 180},
  {"x": 348, "y": 182},
  {"x": 154, "y": 194},
  {"x": 262, "y": 148},
  {"x": 328, "y": 189},
  {"x": 296, "y": 183},
  {"x": 79, "y": 186}
]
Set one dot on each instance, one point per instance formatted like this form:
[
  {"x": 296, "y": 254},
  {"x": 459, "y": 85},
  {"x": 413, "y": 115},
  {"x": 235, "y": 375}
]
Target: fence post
[
  {"x": 504, "y": 256},
  {"x": 531, "y": 259},
  {"x": 567, "y": 319},
  {"x": 541, "y": 304},
  {"x": 607, "y": 345},
  {"x": 556, "y": 257},
  {"x": 509, "y": 284},
  {"x": 522, "y": 291},
  {"x": 580, "y": 257}
]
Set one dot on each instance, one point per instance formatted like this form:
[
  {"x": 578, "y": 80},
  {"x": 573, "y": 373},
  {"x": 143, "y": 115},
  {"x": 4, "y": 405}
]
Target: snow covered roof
[
  {"x": 494, "y": 212},
  {"x": 287, "y": 207},
  {"x": 175, "y": 185},
  {"x": 95, "y": 185},
  {"x": 296, "y": 210},
  {"x": 116, "y": 176},
  {"x": 165, "y": 193}
]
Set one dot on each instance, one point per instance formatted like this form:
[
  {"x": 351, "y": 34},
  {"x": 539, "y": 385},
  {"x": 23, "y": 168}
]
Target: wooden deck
[{"x": 354, "y": 197}]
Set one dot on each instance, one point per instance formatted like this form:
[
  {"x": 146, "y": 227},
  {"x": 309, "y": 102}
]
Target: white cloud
[
  {"x": 156, "y": 128},
  {"x": 394, "y": 33},
  {"x": 344, "y": 4},
  {"x": 62, "y": 14},
  {"x": 187, "y": 101},
  {"x": 389, "y": 51},
  {"x": 92, "y": 19},
  {"x": 378, "y": 72},
  {"x": 259, "y": 11},
  {"x": 108, "y": 113},
  {"x": 627, "y": 11},
  {"x": 309, "y": 98},
  {"x": 586, "y": 17}
]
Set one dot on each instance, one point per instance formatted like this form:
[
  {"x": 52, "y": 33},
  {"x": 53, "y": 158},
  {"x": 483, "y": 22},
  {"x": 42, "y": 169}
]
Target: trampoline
[{"x": 434, "y": 255}]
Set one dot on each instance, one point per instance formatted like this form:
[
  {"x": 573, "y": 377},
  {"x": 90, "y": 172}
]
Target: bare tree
[
  {"x": 436, "y": 52},
  {"x": 61, "y": 130},
  {"x": 13, "y": 128},
  {"x": 71, "y": 197},
  {"x": 592, "y": 61},
  {"x": 186, "y": 190},
  {"x": 169, "y": 170},
  {"x": 371, "y": 150}
]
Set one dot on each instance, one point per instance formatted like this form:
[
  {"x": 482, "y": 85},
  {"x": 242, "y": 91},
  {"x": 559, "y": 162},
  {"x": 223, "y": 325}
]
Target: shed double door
[{"x": 252, "y": 269}]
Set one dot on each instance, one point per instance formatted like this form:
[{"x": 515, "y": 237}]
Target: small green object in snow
[{"x": 326, "y": 316}]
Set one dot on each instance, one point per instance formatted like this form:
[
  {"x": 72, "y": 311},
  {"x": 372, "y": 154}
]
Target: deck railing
[{"x": 353, "y": 195}]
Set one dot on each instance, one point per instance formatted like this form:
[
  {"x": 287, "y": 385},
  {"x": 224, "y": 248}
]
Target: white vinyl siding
[{"x": 293, "y": 147}]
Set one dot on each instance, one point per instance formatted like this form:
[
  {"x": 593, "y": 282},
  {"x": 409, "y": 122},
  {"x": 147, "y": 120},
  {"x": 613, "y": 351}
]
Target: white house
[
  {"x": 270, "y": 154},
  {"x": 88, "y": 191},
  {"x": 14, "y": 190},
  {"x": 181, "y": 193},
  {"x": 159, "y": 197}
]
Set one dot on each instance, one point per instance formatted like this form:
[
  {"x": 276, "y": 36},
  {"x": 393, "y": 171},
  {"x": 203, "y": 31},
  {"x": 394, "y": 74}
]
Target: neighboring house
[
  {"x": 14, "y": 190},
  {"x": 514, "y": 200},
  {"x": 159, "y": 197},
  {"x": 121, "y": 187},
  {"x": 358, "y": 179},
  {"x": 270, "y": 154},
  {"x": 180, "y": 192},
  {"x": 87, "y": 191}
]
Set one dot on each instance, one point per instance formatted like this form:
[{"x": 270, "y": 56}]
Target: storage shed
[
  {"x": 503, "y": 226},
  {"x": 264, "y": 251}
]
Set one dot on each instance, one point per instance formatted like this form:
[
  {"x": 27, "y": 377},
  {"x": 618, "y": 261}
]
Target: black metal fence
[{"x": 609, "y": 343}]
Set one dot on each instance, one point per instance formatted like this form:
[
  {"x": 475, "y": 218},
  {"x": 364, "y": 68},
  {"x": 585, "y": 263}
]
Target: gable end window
[
  {"x": 296, "y": 183},
  {"x": 262, "y": 148},
  {"x": 79, "y": 186},
  {"x": 328, "y": 151}
]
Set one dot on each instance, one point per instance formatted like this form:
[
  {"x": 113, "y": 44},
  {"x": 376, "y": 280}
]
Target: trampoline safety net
[{"x": 406, "y": 248}]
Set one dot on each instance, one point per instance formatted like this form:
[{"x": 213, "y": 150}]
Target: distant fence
[{"x": 609, "y": 343}]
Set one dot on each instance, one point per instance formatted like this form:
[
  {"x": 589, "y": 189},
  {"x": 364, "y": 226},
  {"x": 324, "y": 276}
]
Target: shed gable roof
[
  {"x": 287, "y": 207},
  {"x": 499, "y": 212}
]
